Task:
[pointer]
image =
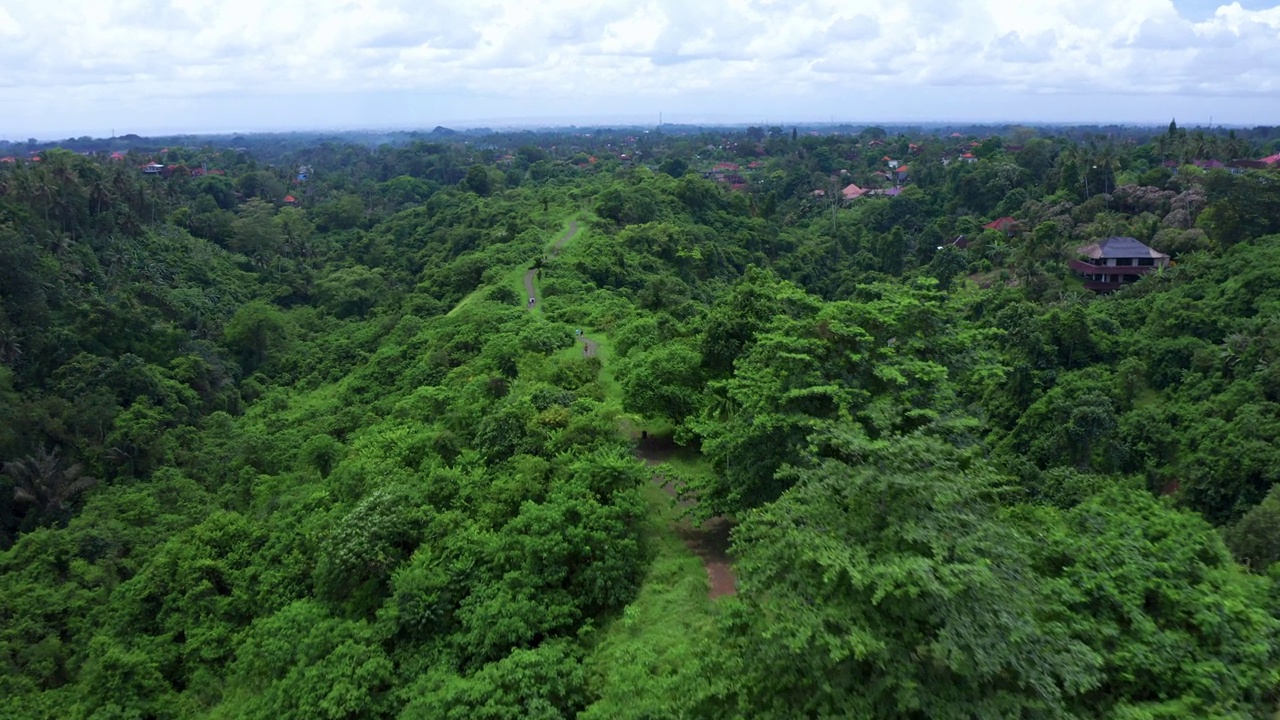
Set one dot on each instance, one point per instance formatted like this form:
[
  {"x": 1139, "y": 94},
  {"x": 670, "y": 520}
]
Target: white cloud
[
  {"x": 540, "y": 51},
  {"x": 9, "y": 27}
]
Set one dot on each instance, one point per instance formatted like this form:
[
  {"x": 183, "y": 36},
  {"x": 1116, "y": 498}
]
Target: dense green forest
[{"x": 283, "y": 437}]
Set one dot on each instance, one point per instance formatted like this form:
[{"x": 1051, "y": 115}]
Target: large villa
[{"x": 1112, "y": 263}]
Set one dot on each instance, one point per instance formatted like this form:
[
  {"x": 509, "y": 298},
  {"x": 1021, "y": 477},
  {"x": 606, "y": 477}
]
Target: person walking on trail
[{"x": 531, "y": 300}]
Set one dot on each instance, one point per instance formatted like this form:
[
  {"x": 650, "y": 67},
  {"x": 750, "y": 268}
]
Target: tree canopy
[{"x": 281, "y": 436}]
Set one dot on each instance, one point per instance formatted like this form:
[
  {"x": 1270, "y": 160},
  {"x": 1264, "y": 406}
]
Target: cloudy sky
[{"x": 88, "y": 67}]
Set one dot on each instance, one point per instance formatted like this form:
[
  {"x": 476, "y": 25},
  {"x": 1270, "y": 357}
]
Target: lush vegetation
[{"x": 281, "y": 439}]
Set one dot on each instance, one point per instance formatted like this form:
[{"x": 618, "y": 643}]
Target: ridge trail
[
  {"x": 530, "y": 290},
  {"x": 709, "y": 540}
]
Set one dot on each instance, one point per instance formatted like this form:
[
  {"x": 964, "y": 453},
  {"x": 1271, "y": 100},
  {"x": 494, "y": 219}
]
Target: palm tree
[
  {"x": 60, "y": 245},
  {"x": 719, "y": 404},
  {"x": 997, "y": 251},
  {"x": 1234, "y": 346},
  {"x": 1108, "y": 162},
  {"x": 41, "y": 191},
  {"x": 1236, "y": 147},
  {"x": 1162, "y": 143},
  {"x": 99, "y": 195},
  {"x": 1197, "y": 145},
  {"x": 45, "y": 483},
  {"x": 1070, "y": 298},
  {"x": 10, "y": 347}
]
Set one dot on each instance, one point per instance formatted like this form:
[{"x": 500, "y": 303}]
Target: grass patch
[
  {"x": 609, "y": 381},
  {"x": 689, "y": 464},
  {"x": 656, "y": 427},
  {"x": 640, "y": 665}
]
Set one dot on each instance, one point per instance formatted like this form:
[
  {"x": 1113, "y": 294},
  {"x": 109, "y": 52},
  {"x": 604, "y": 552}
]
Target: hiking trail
[
  {"x": 530, "y": 289},
  {"x": 709, "y": 540}
]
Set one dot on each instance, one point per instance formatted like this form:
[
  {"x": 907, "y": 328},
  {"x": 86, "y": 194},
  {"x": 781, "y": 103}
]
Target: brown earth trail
[{"x": 710, "y": 540}]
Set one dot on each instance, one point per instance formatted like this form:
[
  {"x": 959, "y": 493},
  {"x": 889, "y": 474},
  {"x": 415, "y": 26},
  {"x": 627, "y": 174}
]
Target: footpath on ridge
[
  {"x": 589, "y": 346},
  {"x": 530, "y": 289},
  {"x": 709, "y": 540}
]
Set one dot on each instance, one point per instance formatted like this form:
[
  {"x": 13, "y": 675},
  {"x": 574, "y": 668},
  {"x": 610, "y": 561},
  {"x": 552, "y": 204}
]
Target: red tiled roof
[
  {"x": 725, "y": 166},
  {"x": 1003, "y": 223},
  {"x": 902, "y": 170},
  {"x": 290, "y": 199},
  {"x": 8, "y": 158},
  {"x": 1271, "y": 159},
  {"x": 967, "y": 155}
]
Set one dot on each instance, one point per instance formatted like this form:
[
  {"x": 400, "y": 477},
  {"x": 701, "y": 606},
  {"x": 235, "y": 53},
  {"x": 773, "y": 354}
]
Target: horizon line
[{"x": 497, "y": 125}]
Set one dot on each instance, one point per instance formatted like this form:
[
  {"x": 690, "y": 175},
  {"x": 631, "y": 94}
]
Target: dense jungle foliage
[{"x": 281, "y": 437}]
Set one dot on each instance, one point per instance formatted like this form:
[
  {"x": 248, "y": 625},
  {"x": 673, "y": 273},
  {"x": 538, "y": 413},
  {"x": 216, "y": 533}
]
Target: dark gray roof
[{"x": 1120, "y": 247}]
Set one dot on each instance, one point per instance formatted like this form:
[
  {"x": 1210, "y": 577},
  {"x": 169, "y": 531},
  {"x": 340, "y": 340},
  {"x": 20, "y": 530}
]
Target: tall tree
[{"x": 884, "y": 585}]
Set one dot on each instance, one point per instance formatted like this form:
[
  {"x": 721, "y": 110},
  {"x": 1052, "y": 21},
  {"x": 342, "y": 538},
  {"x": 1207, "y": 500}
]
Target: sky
[{"x": 100, "y": 67}]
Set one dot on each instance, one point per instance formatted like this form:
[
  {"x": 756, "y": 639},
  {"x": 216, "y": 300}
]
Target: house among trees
[
  {"x": 152, "y": 168},
  {"x": 1115, "y": 262},
  {"x": 1006, "y": 225},
  {"x": 852, "y": 192}
]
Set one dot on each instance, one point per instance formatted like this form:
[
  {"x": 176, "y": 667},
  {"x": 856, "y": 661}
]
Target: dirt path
[
  {"x": 530, "y": 291},
  {"x": 710, "y": 540}
]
